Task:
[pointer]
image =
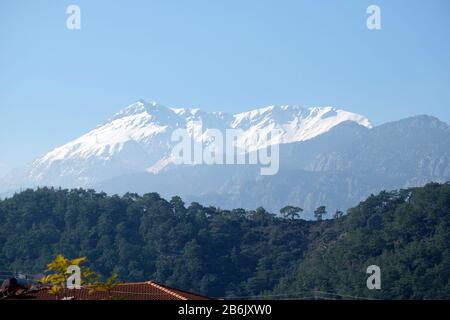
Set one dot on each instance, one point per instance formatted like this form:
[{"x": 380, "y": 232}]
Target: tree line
[{"x": 236, "y": 253}]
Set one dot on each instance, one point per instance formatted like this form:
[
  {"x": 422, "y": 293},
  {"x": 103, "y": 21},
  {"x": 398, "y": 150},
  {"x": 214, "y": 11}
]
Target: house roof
[{"x": 148, "y": 290}]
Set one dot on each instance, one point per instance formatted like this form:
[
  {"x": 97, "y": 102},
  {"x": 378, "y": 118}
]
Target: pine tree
[
  {"x": 291, "y": 212},
  {"x": 320, "y": 212}
]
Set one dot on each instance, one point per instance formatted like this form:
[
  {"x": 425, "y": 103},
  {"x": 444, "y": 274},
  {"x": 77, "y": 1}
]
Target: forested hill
[
  {"x": 237, "y": 253},
  {"x": 405, "y": 233}
]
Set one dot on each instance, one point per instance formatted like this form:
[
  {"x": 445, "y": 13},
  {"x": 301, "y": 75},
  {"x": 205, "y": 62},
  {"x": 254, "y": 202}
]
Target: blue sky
[{"x": 222, "y": 55}]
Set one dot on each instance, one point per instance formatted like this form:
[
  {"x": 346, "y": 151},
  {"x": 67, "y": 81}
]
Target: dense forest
[{"x": 238, "y": 253}]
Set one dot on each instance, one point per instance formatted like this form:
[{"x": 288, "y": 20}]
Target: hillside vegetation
[{"x": 237, "y": 253}]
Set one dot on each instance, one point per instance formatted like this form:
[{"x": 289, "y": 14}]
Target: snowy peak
[
  {"x": 286, "y": 113},
  {"x": 138, "y": 139},
  {"x": 143, "y": 109},
  {"x": 296, "y": 123},
  {"x": 136, "y": 108},
  {"x": 150, "y": 123}
]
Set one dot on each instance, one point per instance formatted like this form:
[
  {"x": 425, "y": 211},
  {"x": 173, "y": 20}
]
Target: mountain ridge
[
  {"x": 137, "y": 138},
  {"x": 337, "y": 169},
  {"x": 343, "y": 164}
]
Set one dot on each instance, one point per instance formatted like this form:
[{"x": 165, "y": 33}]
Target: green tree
[
  {"x": 338, "y": 214},
  {"x": 320, "y": 212},
  {"x": 58, "y": 274},
  {"x": 291, "y": 212},
  {"x": 178, "y": 205},
  {"x": 108, "y": 286}
]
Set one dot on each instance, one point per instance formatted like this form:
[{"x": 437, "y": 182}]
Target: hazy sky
[{"x": 221, "y": 55}]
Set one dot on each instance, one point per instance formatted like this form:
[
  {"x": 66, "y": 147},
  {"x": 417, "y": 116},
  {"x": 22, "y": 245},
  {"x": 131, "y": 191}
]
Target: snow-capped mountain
[
  {"x": 336, "y": 169},
  {"x": 138, "y": 139}
]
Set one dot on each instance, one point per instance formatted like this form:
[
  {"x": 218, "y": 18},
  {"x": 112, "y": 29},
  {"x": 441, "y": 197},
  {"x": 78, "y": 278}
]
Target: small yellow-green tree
[
  {"x": 57, "y": 274},
  {"x": 107, "y": 286}
]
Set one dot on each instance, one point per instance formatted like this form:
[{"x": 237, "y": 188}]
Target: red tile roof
[{"x": 125, "y": 291}]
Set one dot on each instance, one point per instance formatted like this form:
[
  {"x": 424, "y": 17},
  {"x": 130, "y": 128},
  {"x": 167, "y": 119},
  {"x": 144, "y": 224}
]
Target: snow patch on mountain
[{"x": 138, "y": 139}]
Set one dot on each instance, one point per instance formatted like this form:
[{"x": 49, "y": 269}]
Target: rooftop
[{"x": 148, "y": 290}]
